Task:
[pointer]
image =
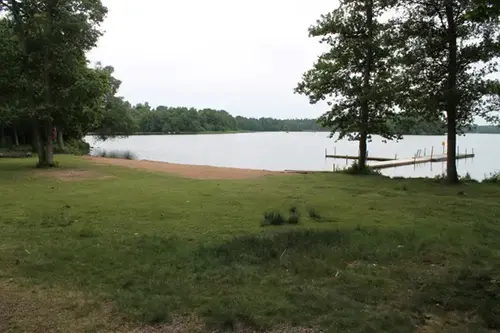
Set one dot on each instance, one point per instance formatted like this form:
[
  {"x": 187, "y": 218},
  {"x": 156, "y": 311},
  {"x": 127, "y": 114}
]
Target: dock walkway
[
  {"x": 416, "y": 160},
  {"x": 351, "y": 157}
]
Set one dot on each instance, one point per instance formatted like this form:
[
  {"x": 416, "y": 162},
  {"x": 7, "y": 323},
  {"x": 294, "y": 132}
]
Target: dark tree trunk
[
  {"x": 60, "y": 139},
  {"x": 44, "y": 144},
  {"x": 365, "y": 105},
  {"x": 49, "y": 145},
  {"x": 2, "y": 137},
  {"x": 16, "y": 138},
  {"x": 451, "y": 98},
  {"x": 48, "y": 160},
  {"x": 38, "y": 145}
]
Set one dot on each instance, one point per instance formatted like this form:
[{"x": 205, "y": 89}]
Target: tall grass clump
[
  {"x": 126, "y": 155},
  {"x": 273, "y": 218},
  {"x": 314, "y": 215},
  {"x": 294, "y": 216},
  {"x": 276, "y": 218}
]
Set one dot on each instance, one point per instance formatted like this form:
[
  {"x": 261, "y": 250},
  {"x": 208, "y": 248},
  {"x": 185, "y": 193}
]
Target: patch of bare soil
[
  {"x": 189, "y": 171},
  {"x": 72, "y": 175}
]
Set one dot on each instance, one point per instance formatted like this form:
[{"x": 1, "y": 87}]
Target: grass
[{"x": 388, "y": 256}]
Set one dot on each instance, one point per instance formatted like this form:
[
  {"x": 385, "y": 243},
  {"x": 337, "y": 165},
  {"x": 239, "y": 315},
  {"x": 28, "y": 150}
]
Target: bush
[
  {"x": 467, "y": 178},
  {"x": 493, "y": 178},
  {"x": 73, "y": 147},
  {"x": 354, "y": 169},
  {"x": 127, "y": 154}
]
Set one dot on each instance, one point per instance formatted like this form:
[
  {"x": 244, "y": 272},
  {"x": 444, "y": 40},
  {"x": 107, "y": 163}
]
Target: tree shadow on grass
[{"x": 357, "y": 280}]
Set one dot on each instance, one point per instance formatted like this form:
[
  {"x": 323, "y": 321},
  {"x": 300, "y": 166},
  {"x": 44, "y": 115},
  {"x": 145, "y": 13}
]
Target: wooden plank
[
  {"x": 417, "y": 160},
  {"x": 350, "y": 157}
]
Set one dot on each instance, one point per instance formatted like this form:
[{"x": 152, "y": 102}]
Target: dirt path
[{"x": 190, "y": 171}]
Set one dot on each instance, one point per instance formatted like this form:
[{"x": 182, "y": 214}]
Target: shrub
[
  {"x": 73, "y": 147},
  {"x": 467, "y": 178},
  {"x": 354, "y": 169},
  {"x": 493, "y": 178}
]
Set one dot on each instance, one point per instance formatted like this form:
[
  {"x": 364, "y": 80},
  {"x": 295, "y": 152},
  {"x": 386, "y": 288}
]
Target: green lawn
[{"x": 386, "y": 256}]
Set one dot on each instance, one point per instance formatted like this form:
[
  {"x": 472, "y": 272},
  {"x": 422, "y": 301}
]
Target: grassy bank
[{"x": 144, "y": 248}]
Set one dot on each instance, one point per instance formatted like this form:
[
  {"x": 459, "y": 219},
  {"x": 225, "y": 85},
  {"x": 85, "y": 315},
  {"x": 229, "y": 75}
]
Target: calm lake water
[{"x": 303, "y": 151}]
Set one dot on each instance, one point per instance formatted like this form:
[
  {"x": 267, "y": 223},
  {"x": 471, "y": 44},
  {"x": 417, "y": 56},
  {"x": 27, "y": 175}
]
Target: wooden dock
[
  {"x": 369, "y": 158},
  {"x": 417, "y": 160},
  {"x": 352, "y": 157}
]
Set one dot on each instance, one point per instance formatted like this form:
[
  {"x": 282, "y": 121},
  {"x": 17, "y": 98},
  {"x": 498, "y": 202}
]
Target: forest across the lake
[{"x": 179, "y": 120}]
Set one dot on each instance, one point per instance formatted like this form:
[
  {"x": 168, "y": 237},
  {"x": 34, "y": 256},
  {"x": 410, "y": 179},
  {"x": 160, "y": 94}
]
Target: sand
[{"x": 185, "y": 170}]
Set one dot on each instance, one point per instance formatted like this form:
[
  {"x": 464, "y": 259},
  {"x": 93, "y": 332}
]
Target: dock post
[
  {"x": 425, "y": 152},
  {"x": 432, "y": 152},
  {"x": 335, "y": 150},
  {"x": 472, "y": 151},
  {"x": 326, "y": 152},
  {"x": 396, "y": 156}
]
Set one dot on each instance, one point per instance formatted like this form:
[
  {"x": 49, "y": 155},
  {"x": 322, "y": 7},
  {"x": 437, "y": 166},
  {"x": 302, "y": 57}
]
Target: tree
[
  {"x": 447, "y": 50},
  {"x": 354, "y": 75},
  {"x": 53, "y": 36}
]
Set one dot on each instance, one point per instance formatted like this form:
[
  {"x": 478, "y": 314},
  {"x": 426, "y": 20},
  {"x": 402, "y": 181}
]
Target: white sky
[{"x": 242, "y": 56}]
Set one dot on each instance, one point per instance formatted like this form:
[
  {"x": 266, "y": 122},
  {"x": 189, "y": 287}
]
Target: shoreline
[{"x": 186, "y": 170}]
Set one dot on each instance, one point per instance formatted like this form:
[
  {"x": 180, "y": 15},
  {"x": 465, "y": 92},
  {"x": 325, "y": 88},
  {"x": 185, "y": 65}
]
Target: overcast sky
[{"x": 245, "y": 57}]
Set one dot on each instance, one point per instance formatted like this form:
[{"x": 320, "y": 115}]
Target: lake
[{"x": 302, "y": 151}]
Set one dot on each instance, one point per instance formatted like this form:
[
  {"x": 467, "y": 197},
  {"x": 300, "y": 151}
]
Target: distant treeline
[
  {"x": 487, "y": 129},
  {"x": 190, "y": 120},
  {"x": 179, "y": 120}
]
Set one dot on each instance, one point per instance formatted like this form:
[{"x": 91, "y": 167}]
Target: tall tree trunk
[
  {"x": 451, "y": 98},
  {"x": 16, "y": 138},
  {"x": 365, "y": 106},
  {"x": 60, "y": 139},
  {"x": 49, "y": 145},
  {"x": 38, "y": 145},
  {"x": 2, "y": 137},
  {"x": 47, "y": 124}
]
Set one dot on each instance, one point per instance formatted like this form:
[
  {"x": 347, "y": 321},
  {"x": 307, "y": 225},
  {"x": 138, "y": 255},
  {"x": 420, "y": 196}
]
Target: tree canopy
[
  {"x": 47, "y": 84},
  {"x": 430, "y": 63},
  {"x": 354, "y": 76},
  {"x": 447, "y": 49}
]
